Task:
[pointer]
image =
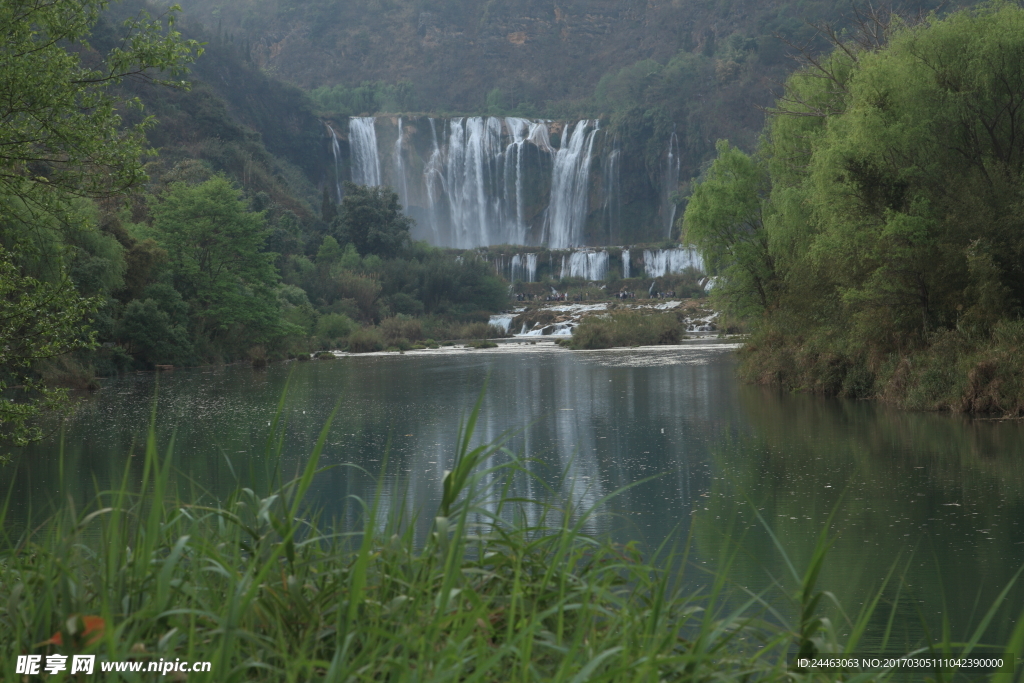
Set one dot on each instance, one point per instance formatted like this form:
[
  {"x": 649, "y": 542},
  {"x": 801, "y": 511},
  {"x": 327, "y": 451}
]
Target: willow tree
[{"x": 61, "y": 142}]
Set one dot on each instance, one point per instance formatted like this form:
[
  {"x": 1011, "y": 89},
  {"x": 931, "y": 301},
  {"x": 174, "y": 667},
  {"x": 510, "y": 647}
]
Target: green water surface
[{"x": 938, "y": 497}]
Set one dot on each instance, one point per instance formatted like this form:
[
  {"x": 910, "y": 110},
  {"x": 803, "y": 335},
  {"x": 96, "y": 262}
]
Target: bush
[
  {"x": 401, "y": 327},
  {"x": 366, "y": 340},
  {"x": 628, "y": 328},
  {"x": 335, "y": 325}
]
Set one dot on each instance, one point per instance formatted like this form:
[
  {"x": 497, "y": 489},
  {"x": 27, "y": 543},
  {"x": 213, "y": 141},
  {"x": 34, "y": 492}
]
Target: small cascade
[
  {"x": 625, "y": 264},
  {"x": 524, "y": 268},
  {"x": 567, "y": 211},
  {"x": 336, "y": 150},
  {"x": 362, "y": 140},
  {"x": 401, "y": 187},
  {"x": 661, "y": 262},
  {"x": 501, "y": 266},
  {"x": 589, "y": 265},
  {"x": 672, "y": 165},
  {"x": 502, "y": 321}
]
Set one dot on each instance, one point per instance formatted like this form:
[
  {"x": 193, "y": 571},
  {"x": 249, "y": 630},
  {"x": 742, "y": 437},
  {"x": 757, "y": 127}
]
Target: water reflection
[{"x": 938, "y": 497}]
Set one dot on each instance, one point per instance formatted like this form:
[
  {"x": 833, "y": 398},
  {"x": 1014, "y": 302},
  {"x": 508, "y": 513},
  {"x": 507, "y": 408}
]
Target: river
[{"x": 938, "y": 497}]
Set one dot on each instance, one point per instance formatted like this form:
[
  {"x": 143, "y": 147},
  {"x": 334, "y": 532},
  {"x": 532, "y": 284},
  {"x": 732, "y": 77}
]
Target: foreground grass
[{"x": 267, "y": 592}]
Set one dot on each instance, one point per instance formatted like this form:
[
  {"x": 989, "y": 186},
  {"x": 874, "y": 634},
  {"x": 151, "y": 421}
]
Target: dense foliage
[
  {"x": 876, "y": 236},
  {"x": 211, "y": 252},
  {"x": 61, "y": 142}
]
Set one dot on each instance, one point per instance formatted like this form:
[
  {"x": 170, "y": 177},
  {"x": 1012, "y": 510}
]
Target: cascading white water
[
  {"x": 524, "y": 268},
  {"x": 661, "y": 262},
  {"x": 473, "y": 178},
  {"x": 567, "y": 211},
  {"x": 625, "y": 264},
  {"x": 336, "y": 151},
  {"x": 672, "y": 165},
  {"x": 401, "y": 186},
  {"x": 589, "y": 265},
  {"x": 433, "y": 178},
  {"x": 482, "y": 177},
  {"x": 362, "y": 140}
]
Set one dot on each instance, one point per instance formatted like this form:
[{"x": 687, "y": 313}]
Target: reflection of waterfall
[
  {"x": 524, "y": 268},
  {"x": 625, "y": 263},
  {"x": 336, "y": 151},
  {"x": 672, "y": 162},
  {"x": 589, "y": 265},
  {"x": 567, "y": 211},
  {"x": 362, "y": 140},
  {"x": 661, "y": 262}
]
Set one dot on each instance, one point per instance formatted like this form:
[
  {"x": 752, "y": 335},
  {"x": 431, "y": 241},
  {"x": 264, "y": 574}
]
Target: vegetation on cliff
[{"x": 876, "y": 235}]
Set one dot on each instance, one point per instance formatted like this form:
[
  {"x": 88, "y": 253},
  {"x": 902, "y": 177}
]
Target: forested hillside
[{"x": 700, "y": 68}]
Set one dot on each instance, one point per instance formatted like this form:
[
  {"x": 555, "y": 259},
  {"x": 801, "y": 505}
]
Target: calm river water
[{"x": 939, "y": 497}]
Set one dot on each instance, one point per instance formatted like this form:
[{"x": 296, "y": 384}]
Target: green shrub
[
  {"x": 366, "y": 340},
  {"x": 335, "y": 325},
  {"x": 400, "y": 327},
  {"x": 627, "y": 328}
]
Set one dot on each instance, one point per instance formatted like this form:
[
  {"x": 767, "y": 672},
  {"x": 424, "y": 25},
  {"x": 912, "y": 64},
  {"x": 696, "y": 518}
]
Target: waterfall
[
  {"x": 484, "y": 181},
  {"x": 672, "y": 163},
  {"x": 336, "y": 150},
  {"x": 589, "y": 265},
  {"x": 362, "y": 140},
  {"x": 567, "y": 211},
  {"x": 661, "y": 262},
  {"x": 524, "y": 268},
  {"x": 402, "y": 188},
  {"x": 625, "y": 264},
  {"x": 612, "y": 204},
  {"x": 473, "y": 178},
  {"x": 433, "y": 178}
]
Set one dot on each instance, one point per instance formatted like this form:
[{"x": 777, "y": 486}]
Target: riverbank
[{"x": 956, "y": 371}]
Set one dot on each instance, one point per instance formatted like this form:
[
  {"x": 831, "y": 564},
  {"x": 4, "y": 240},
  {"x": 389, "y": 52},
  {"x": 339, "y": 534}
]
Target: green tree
[
  {"x": 215, "y": 245},
  {"x": 885, "y": 206},
  {"x": 371, "y": 218},
  {"x": 725, "y": 219},
  {"x": 61, "y": 134},
  {"x": 61, "y": 137}
]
